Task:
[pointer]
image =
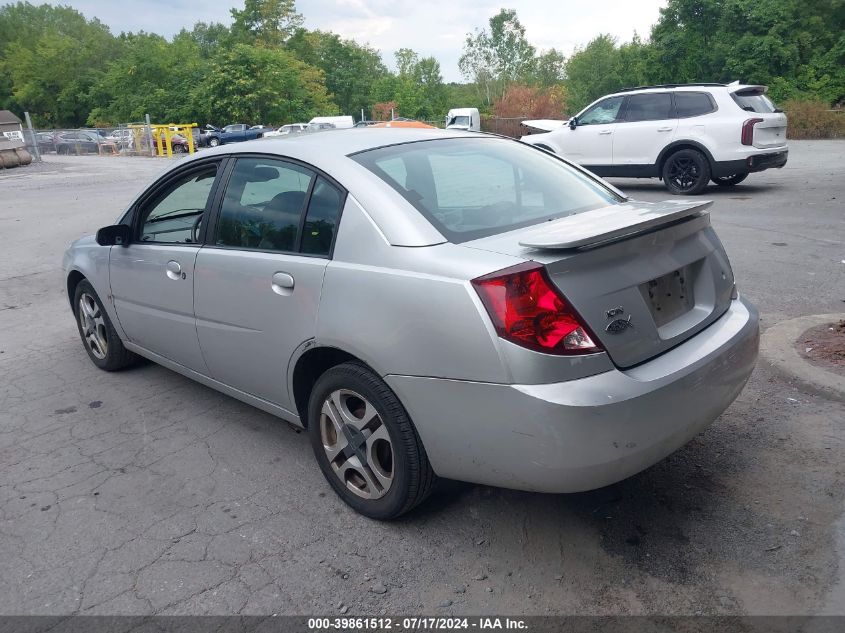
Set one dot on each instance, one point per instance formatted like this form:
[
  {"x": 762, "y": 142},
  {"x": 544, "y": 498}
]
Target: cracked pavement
[{"x": 141, "y": 492}]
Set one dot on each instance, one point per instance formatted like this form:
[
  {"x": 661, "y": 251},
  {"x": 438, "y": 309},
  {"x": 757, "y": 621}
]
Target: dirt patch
[{"x": 824, "y": 346}]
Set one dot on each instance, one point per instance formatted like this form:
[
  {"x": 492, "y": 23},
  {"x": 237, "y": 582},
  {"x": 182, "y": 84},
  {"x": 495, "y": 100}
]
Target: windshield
[
  {"x": 471, "y": 188},
  {"x": 459, "y": 120},
  {"x": 754, "y": 102}
]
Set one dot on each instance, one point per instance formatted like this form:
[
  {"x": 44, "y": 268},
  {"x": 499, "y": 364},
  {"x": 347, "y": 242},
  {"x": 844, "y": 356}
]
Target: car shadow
[
  {"x": 711, "y": 191},
  {"x": 664, "y": 521}
]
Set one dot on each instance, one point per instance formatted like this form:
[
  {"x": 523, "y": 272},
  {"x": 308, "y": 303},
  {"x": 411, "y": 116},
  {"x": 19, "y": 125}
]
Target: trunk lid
[
  {"x": 771, "y": 131},
  {"x": 644, "y": 276}
]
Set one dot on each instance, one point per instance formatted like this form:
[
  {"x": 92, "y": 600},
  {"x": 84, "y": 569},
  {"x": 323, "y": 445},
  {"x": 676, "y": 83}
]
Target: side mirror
[
  {"x": 573, "y": 123},
  {"x": 115, "y": 235}
]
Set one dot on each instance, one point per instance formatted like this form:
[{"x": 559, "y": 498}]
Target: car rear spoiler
[
  {"x": 744, "y": 90},
  {"x": 609, "y": 224}
]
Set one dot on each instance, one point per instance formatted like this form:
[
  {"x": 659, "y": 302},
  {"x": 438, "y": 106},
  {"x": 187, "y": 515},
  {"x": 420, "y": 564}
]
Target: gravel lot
[{"x": 142, "y": 492}]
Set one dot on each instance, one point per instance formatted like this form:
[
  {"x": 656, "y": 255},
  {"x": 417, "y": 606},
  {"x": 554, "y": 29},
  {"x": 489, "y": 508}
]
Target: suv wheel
[
  {"x": 729, "y": 181},
  {"x": 104, "y": 347},
  {"x": 686, "y": 172},
  {"x": 365, "y": 443},
  {"x": 213, "y": 141}
]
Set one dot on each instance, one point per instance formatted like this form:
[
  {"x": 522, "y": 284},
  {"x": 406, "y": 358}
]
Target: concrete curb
[{"x": 778, "y": 346}]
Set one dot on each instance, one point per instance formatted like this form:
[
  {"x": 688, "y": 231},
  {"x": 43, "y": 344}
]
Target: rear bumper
[
  {"x": 587, "y": 433},
  {"x": 752, "y": 163}
]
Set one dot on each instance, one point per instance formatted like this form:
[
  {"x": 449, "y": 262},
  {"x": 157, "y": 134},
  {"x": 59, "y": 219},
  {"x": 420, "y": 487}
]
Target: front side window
[
  {"x": 649, "y": 107},
  {"x": 689, "y": 104},
  {"x": 471, "y": 188},
  {"x": 175, "y": 215},
  {"x": 263, "y": 205},
  {"x": 605, "y": 111}
]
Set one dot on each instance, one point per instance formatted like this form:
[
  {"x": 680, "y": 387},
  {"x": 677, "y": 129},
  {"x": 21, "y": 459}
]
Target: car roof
[
  {"x": 322, "y": 146},
  {"x": 330, "y": 151}
]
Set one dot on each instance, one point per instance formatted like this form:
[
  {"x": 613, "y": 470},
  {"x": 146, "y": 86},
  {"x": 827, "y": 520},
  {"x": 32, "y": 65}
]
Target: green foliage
[
  {"x": 258, "y": 85},
  {"x": 266, "y": 22},
  {"x": 495, "y": 59},
  {"x": 67, "y": 70},
  {"x": 796, "y": 47},
  {"x": 50, "y": 58},
  {"x": 351, "y": 70}
]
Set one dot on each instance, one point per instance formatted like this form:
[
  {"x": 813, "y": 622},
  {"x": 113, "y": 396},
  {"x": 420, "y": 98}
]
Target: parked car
[
  {"x": 124, "y": 138},
  {"x": 426, "y": 304},
  {"x": 320, "y": 127},
  {"x": 234, "y": 133},
  {"x": 46, "y": 141},
  {"x": 179, "y": 144},
  {"x": 687, "y": 135},
  {"x": 338, "y": 122},
  {"x": 83, "y": 142},
  {"x": 285, "y": 130}
]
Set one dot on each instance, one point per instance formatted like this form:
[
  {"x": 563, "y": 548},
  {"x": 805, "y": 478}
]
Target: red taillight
[
  {"x": 526, "y": 309},
  {"x": 748, "y": 131}
]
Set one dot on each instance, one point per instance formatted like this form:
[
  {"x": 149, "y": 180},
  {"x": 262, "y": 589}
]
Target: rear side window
[
  {"x": 473, "y": 187},
  {"x": 753, "y": 101},
  {"x": 263, "y": 205},
  {"x": 689, "y": 104},
  {"x": 321, "y": 218},
  {"x": 649, "y": 107}
]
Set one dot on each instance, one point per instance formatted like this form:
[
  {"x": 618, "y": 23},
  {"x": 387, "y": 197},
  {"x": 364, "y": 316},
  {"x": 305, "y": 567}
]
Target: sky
[{"x": 431, "y": 27}]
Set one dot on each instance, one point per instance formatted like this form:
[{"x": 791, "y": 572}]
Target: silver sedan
[{"x": 426, "y": 304}]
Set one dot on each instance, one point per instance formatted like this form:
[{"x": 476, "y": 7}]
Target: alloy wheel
[
  {"x": 684, "y": 172},
  {"x": 93, "y": 326},
  {"x": 357, "y": 444}
]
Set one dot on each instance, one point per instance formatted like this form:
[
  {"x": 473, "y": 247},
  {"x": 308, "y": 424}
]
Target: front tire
[
  {"x": 213, "y": 142},
  {"x": 686, "y": 172},
  {"x": 729, "y": 181},
  {"x": 365, "y": 443},
  {"x": 104, "y": 347}
]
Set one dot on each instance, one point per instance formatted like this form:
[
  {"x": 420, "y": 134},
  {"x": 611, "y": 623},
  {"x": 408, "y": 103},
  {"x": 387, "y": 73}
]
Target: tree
[
  {"x": 267, "y": 22},
  {"x": 593, "y": 71},
  {"x": 51, "y": 59},
  {"x": 496, "y": 58},
  {"x": 351, "y": 70},
  {"x": 549, "y": 69},
  {"x": 261, "y": 85},
  {"x": 152, "y": 76}
]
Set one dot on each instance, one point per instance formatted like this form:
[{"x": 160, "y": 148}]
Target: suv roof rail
[{"x": 671, "y": 86}]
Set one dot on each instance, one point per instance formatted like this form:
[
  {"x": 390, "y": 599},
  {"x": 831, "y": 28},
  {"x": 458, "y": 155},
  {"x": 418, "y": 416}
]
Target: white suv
[{"x": 685, "y": 134}]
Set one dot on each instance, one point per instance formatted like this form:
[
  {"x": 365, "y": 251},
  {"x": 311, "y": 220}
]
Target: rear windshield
[
  {"x": 474, "y": 187},
  {"x": 754, "y": 102}
]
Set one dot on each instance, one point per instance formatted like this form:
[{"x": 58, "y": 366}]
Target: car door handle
[
  {"x": 174, "y": 270},
  {"x": 665, "y": 129},
  {"x": 282, "y": 284},
  {"x": 603, "y": 132}
]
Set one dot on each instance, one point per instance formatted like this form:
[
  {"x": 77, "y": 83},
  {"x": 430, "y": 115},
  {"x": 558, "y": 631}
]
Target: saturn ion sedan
[{"x": 426, "y": 304}]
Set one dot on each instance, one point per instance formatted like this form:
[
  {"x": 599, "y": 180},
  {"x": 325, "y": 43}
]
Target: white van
[
  {"x": 339, "y": 122},
  {"x": 464, "y": 119}
]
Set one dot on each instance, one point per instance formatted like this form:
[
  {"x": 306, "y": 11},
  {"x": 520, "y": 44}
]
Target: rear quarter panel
[{"x": 408, "y": 310}]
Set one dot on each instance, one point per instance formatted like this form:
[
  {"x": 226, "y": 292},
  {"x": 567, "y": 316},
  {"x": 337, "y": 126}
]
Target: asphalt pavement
[{"x": 142, "y": 492}]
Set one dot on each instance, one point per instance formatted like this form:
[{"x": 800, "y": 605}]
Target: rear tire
[
  {"x": 101, "y": 341},
  {"x": 686, "y": 172},
  {"x": 365, "y": 443},
  {"x": 729, "y": 181}
]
